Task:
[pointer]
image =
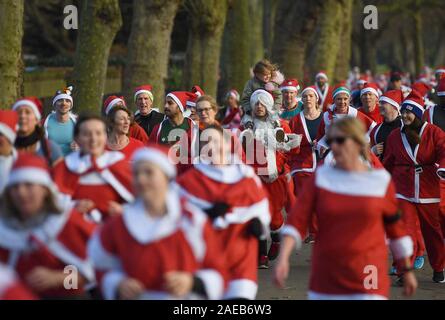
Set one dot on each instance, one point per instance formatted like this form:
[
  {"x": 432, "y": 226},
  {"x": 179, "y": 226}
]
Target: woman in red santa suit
[
  {"x": 340, "y": 109},
  {"x": 415, "y": 156},
  {"x": 38, "y": 239},
  {"x": 11, "y": 288},
  {"x": 99, "y": 181},
  {"x": 355, "y": 208},
  {"x": 161, "y": 247},
  {"x": 303, "y": 163},
  {"x": 118, "y": 126},
  {"x": 234, "y": 199},
  {"x": 267, "y": 147}
]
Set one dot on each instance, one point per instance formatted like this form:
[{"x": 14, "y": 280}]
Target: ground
[{"x": 299, "y": 277}]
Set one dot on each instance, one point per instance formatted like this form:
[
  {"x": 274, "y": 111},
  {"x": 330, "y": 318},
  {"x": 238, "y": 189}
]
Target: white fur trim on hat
[
  {"x": 30, "y": 104},
  {"x": 321, "y": 75},
  {"x": 150, "y": 94},
  {"x": 290, "y": 88},
  {"x": 310, "y": 89},
  {"x": 8, "y": 132},
  {"x": 369, "y": 89},
  {"x": 63, "y": 96},
  {"x": 30, "y": 175},
  {"x": 390, "y": 101},
  {"x": 440, "y": 71},
  {"x": 112, "y": 104},
  {"x": 176, "y": 99},
  {"x": 157, "y": 157}
]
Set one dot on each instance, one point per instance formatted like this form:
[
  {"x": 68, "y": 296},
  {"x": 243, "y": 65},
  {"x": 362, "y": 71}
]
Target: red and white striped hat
[
  {"x": 31, "y": 168},
  {"x": 233, "y": 93},
  {"x": 393, "y": 97},
  {"x": 111, "y": 102},
  {"x": 182, "y": 97},
  {"x": 370, "y": 87},
  {"x": 290, "y": 85},
  {"x": 146, "y": 88},
  {"x": 8, "y": 124},
  {"x": 32, "y": 102},
  {"x": 157, "y": 154},
  {"x": 440, "y": 70},
  {"x": 311, "y": 88}
]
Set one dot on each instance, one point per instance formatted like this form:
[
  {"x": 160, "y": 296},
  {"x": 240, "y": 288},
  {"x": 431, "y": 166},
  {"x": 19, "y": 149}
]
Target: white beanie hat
[{"x": 264, "y": 97}]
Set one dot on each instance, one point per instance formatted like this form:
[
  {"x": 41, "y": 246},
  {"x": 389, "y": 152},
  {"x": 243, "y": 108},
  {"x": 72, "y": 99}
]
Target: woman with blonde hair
[{"x": 356, "y": 207}]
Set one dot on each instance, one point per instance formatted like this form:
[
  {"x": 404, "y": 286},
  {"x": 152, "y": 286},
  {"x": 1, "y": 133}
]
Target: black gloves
[
  {"x": 255, "y": 228},
  {"x": 218, "y": 209}
]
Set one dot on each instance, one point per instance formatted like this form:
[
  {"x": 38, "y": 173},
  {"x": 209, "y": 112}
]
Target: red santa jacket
[
  {"x": 102, "y": 180},
  {"x": 374, "y": 115},
  {"x": 330, "y": 115},
  {"x": 134, "y": 245},
  {"x": 11, "y": 288},
  {"x": 239, "y": 188},
  {"x": 271, "y": 162},
  {"x": 57, "y": 242},
  {"x": 305, "y": 160},
  {"x": 415, "y": 173},
  {"x": 354, "y": 211},
  {"x": 136, "y": 132},
  {"x": 132, "y": 146},
  {"x": 326, "y": 97}
]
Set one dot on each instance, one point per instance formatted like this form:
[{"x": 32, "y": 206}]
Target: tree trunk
[
  {"x": 419, "y": 51},
  {"x": 235, "y": 60},
  {"x": 148, "y": 56},
  {"x": 328, "y": 38},
  {"x": 206, "y": 28},
  {"x": 343, "y": 64},
  {"x": 11, "y": 34},
  {"x": 295, "y": 21},
  {"x": 255, "y": 19},
  {"x": 100, "y": 22},
  {"x": 270, "y": 9}
]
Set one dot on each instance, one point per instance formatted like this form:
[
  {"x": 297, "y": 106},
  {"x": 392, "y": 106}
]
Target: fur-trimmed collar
[{"x": 81, "y": 164}]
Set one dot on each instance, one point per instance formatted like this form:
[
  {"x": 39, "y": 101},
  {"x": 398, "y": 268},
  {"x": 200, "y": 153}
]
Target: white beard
[{"x": 265, "y": 132}]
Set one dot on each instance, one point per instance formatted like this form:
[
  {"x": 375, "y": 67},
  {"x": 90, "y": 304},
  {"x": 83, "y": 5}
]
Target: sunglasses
[{"x": 337, "y": 140}]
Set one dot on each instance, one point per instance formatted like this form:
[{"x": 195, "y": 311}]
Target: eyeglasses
[
  {"x": 206, "y": 110},
  {"x": 337, "y": 140}
]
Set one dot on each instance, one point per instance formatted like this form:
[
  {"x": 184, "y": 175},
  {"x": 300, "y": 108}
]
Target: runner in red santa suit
[
  {"x": 11, "y": 288},
  {"x": 38, "y": 239},
  {"x": 324, "y": 90},
  {"x": 233, "y": 197},
  {"x": 415, "y": 156},
  {"x": 340, "y": 109},
  {"x": 355, "y": 207},
  {"x": 304, "y": 163},
  {"x": 161, "y": 247},
  {"x": 267, "y": 147},
  {"x": 99, "y": 181},
  {"x": 135, "y": 131},
  {"x": 369, "y": 97}
]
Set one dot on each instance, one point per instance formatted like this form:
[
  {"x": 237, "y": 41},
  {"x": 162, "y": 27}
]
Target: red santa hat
[
  {"x": 32, "y": 102},
  {"x": 370, "y": 87},
  {"x": 198, "y": 91},
  {"x": 157, "y": 154},
  {"x": 233, "y": 93},
  {"x": 393, "y": 97},
  {"x": 8, "y": 124},
  {"x": 31, "y": 168},
  {"x": 414, "y": 102},
  {"x": 111, "y": 102},
  {"x": 182, "y": 97},
  {"x": 311, "y": 88},
  {"x": 421, "y": 87},
  {"x": 264, "y": 97},
  {"x": 290, "y": 85},
  {"x": 146, "y": 88},
  {"x": 441, "y": 87},
  {"x": 440, "y": 70},
  {"x": 191, "y": 102},
  {"x": 363, "y": 80},
  {"x": 321, "y": 74},
  {"x": 64, "y": 94}
]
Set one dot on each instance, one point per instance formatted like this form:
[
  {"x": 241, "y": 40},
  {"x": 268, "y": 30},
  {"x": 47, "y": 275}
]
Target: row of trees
[{"x": 224, "y": 39}]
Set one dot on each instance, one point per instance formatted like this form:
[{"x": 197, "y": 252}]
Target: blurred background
[{"x": 174, "y": 44}]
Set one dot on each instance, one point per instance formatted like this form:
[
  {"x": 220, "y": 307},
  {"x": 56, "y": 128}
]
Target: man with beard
[
  {"x": 59, "y": 125},
  {"x": 146, "y": 116},
  {"x": 268, "y": 157},
  {"x": 415, "y": 157}
]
